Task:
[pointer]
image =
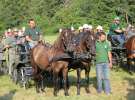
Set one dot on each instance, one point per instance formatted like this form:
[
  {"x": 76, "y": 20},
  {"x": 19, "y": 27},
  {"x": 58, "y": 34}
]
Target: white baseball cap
[
  {"x": 80, "y": 28},
  {"x": 85, "y": 26},
  {"x": 99, "y": 27},
  {"x": 72, "y": 28}
]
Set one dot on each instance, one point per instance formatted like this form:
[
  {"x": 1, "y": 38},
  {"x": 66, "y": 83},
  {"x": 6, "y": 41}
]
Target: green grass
[
  {"x": 123, "y": 88},
  {"x": 122, "y": 83}
]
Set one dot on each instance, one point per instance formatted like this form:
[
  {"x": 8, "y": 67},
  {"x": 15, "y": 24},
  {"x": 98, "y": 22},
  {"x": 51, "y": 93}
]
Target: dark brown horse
[
  {"x": 51, "y": 59},
  {"x": 81, "y": 48},
  {"x": 130, "y": 46}
]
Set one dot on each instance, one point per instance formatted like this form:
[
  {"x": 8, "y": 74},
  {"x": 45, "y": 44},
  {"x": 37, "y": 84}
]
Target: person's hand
[{"x": 110, "y": 65}]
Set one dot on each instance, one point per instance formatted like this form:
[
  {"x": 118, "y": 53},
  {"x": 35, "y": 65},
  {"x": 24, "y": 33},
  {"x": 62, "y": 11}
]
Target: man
[
  {"x": 10, "y": 46},
  {"x": 32, "y": 34},
  {"x": 103, "y": 62},
  {"x": 116, "y": 32},
  {"x": 98, "y": 30}
]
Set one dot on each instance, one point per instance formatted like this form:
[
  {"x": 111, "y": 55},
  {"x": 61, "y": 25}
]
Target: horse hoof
[
  {"x": 42, "y": 90},
  {"x": 55, "y": 94},
  {"x": 66, "y": 94},
  {"x": 87, "y": 91},
  {"x": 131, "y": 73},
  {"x": 37, "y": 91}
]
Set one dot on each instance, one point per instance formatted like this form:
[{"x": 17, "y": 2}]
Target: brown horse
[
  {"x": 130, "y": 46},
  {"x": 51, "y": 59},
  {"x": 81, "y": 48}
]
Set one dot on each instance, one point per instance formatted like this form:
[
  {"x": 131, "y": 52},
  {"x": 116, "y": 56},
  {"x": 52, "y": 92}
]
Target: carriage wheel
[
  {"x": 115, "y": 59},
  {"x": 4, "y": 67},
  {"x": 24, "y": 82}
]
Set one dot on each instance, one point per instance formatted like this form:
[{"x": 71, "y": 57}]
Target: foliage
[{"x": 53, "y": 14}]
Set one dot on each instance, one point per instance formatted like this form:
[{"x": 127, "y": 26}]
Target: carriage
[
  {"x": 118, "y": 53},
  {"x": 22, "y": 69}
]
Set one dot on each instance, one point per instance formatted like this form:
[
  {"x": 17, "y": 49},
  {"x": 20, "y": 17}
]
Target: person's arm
[
  {"x": 118, "y": 31},
  {"x": 110, "y": 59},
  {"x": 109, "y": 54}
]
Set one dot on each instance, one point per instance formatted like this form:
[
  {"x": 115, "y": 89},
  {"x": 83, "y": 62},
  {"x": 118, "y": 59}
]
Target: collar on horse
[{"x": 131, "y": 51}]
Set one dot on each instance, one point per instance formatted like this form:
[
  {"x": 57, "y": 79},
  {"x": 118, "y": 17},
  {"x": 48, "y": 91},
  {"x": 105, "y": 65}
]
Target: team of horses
[{"x": 69, "y": 51}]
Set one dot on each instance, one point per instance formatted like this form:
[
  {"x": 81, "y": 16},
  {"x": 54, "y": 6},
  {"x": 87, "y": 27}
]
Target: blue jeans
[
  {"x": 103, "y": 74},
  {"x": 119, "y": 38}
]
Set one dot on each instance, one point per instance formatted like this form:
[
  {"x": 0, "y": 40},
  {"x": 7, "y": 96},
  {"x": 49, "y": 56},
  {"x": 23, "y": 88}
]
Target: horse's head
[
  {"x": 83, "y": 42},
  {"x": 90, "y": 43},
  {"x": 65, "y": 38}
]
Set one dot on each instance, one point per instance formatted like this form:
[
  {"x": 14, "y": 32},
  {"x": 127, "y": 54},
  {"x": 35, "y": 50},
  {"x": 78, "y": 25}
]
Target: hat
[
  {"x": 9, "y": 30},
  {"x": 117, "y": 18},
  {"x": 60, "y": 30},
  {"x": 99, "y": 27},
  {"x": 80, "y": 28},
  {"x": 72, "y": 28},
  {"x": 85, "y": 26}
]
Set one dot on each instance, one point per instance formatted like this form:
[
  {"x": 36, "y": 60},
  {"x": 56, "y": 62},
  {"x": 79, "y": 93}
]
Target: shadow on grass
[
  {"x": 8, "y": 96},
  {"x": 131, "y": 91},
  {"x": 72, "y": 82}
]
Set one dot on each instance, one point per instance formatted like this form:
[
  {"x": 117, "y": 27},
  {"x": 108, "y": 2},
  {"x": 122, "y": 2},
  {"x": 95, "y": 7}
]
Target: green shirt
[
  {"x": 33, "y": 33},
  {"x": 113, "y": 28},
  {"x": 102, "y": 49}
]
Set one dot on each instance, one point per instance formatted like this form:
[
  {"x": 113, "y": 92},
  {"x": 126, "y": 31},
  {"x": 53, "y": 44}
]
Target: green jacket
[{"x": 113, "y": 28}]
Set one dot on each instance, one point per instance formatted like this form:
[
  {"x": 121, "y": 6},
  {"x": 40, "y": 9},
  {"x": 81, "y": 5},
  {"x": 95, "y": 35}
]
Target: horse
[
  {"x": 52, "y": 59},
  {"x": 130, "y": 46},
  {"x": 81, "y": 48}
]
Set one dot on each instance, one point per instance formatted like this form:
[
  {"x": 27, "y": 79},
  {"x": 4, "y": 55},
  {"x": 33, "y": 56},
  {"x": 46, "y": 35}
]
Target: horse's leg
[
  {"x": 61, "y": 81},
  {"x": 129, "y": 66},
  {"x": 36, "y": 80},
  {"x": 65, "y": 79},
  {"x": 78, "y": 80},
  {"x": 37, "y": 85},
  {"x": 87, "y": 71},
  {"x": 42, "y": 84},
  {"x": 55, "y": 80}
]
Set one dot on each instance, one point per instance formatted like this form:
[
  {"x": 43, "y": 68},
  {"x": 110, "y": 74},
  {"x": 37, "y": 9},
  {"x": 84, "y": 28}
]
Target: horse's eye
[{"x": 66, "y": 34}]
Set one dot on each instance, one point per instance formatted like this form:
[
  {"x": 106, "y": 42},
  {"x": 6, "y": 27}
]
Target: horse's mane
[{"x": 61, "y": 38}]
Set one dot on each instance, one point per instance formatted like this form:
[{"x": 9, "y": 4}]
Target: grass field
[{"x": 122, "y": 83}]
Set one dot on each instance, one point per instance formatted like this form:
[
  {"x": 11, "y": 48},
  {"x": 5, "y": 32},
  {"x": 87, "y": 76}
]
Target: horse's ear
[{"x": 41, "y": 42}]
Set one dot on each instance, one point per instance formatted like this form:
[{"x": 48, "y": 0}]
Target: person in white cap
[
  {"x": 87, "y": 28},
  {"x": 98, "y": 30},
  {"x": 80, "y": 29}
]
